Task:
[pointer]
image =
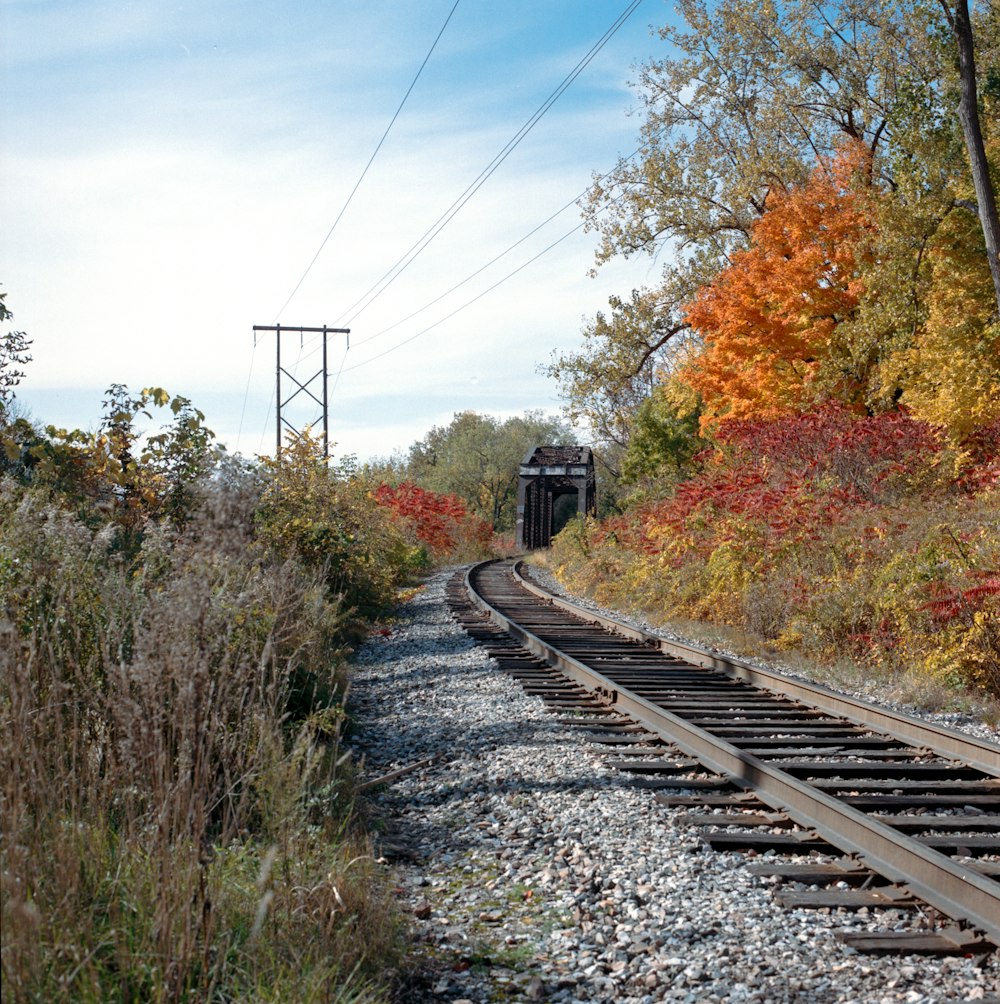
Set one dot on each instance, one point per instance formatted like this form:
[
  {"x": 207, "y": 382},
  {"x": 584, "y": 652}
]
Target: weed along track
[{"x": 903, "y": 815}]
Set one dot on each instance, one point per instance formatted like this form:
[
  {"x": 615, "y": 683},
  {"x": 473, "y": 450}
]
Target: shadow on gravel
[
  {"x": 429, "y": 734},
  {"x": 418, "y": 824}
]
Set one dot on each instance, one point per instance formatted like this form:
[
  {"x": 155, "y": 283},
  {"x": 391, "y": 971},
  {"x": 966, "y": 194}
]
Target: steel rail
[
  {"x": 949, "y": 743},
  {"x": 956, "y": 891}
]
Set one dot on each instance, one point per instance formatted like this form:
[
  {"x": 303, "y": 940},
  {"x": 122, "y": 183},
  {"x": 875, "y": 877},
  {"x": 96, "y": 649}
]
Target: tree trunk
[{"x": 968, "y": 114}]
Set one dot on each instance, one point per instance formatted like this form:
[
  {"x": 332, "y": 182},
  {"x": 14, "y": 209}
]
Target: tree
[
  {"x": 751, "y": 96},
  {"x": 952, "y": 366},
  {"x": 606, "y": 382},
  {"x": 957, "y": 16},
  {"x": 14, "y": 346},
  {"x": 182, "y": 453},
  {"x": 440, "y": 524},
  {"x": 665, "y": 438},
  {"x": 755, "y": 95},
  {"x": 476, "y": 457},
  {"x": 327, "y": 518},
  {"x": 132, "y": 475},
  {"x": 770, "y": 317},
  {"x": 152, "y": 474},
  {"x": 926, "y": 320}
]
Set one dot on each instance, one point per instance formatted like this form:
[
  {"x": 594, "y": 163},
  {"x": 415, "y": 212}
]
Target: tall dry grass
[{"x": 175, "y": 825}]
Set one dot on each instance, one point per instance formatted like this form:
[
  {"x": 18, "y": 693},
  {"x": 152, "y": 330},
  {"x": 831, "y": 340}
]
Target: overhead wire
[
  {"x": 531, "y": 233},
  {"x": 489, "y": 289},
  {"x": 458, "y": 285},
  {"x": 468, "y": 303},
  {"x": 371, "y": 159},
  {"x": 386, "y": 280},
  {"x": 496, "y": 258},
  {"x": 340, "y": 369},
  {"x": 340, "y": 215},
  {"x": 376, "y": 289},
  {"x": 246, "y": 392}
]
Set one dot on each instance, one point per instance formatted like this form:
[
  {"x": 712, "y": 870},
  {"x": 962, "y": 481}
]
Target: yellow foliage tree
[{"x": 953, "y": 367}]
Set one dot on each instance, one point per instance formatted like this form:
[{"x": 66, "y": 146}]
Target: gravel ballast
[{"x": 532, "y": 872}]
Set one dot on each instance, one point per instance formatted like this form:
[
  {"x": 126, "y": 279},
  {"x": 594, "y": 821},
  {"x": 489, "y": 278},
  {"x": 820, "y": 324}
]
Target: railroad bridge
[{"x": 547, "y": 475}]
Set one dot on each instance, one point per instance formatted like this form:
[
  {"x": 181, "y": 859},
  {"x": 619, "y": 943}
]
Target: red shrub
[
  {"x": 788, "y": 478},
  {"x": 440, "y": 522},
  {"x": 862, "y": 454}
]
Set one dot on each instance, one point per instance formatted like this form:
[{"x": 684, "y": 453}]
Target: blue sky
[{"x": 169, "y": 171}]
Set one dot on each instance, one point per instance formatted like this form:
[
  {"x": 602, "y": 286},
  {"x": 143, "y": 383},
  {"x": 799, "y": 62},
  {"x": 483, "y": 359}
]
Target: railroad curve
[{"x": 913, "y": 802}]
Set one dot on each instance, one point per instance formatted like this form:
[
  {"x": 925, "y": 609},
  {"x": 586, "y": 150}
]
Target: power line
[
  {"x": 462, "y": 200},
  {"x": 489, "y": 289},
  {"x": 393, "y": 273},
  {"x": 470, "y": 276},
  {"x": 340, "y": 369},
  {"x": 468, "y": 303},
  {"x": 343, "y": 209},
  {"x": 493, "y": 261},
  {"x": 499, "y": 282},
  {"x": 357, "y": 184},
  {"x": 246, "y": 392},
  {"x": 506, "y": 251}
]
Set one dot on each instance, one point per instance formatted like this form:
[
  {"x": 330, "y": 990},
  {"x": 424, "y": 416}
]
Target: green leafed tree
[
  {"x": 750, "y": 95},
  {"x": 665, "y": 439},
  {"x": 14, "y": 353},
  {"x": 926, "y": 328},
  {"x": 476, "y": 457}
]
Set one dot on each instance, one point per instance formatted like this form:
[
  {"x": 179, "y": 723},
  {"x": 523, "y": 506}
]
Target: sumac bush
[
  {"x": 849, "y": 536},
  {"x": 438, "y": 524}
]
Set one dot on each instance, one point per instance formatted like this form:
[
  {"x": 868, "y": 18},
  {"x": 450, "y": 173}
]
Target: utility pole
[{"x": 301, "y": 387}]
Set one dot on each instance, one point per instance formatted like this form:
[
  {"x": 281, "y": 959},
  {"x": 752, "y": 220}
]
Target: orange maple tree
[{"x": 767, "y": 319}]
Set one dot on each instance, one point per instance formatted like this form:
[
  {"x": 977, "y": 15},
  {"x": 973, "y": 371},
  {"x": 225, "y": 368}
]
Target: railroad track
[{"x": 767, "y": 763}]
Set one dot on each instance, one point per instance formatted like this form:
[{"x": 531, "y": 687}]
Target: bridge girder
[{"x": 545, "y": 474}]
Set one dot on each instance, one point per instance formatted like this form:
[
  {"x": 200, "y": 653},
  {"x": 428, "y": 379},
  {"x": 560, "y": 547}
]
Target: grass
[{"x": 178, "y": 818}]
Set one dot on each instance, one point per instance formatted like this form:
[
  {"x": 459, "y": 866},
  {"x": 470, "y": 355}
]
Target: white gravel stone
[{"x": 533, "y": 872}]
